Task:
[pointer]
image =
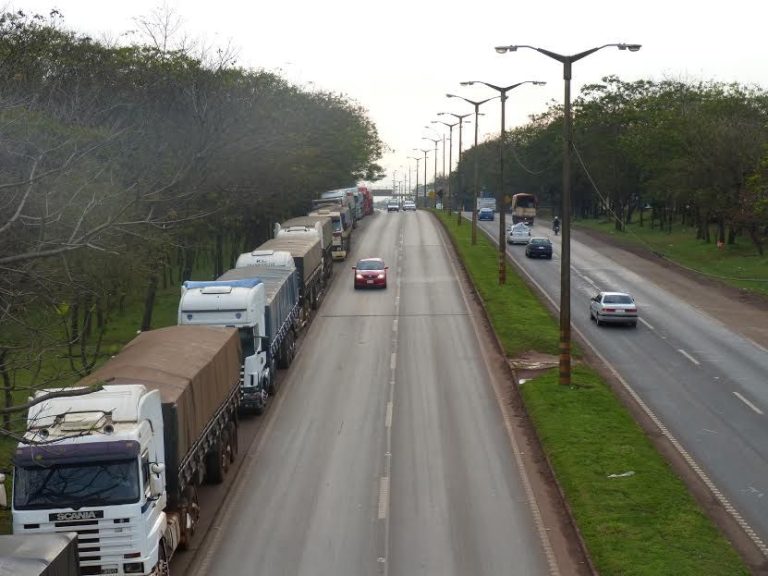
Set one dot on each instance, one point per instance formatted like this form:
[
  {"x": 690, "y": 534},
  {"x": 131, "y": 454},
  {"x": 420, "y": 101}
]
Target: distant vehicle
[
  {"x": 409, "y": 205},
  {"x": 539, "y": 247},
  {"x": 486, "y": 203},
  {"x": 518, "y": 234},
  {"x": 614, "y": 308},
  {"x": 370, "y": 273},
  {"x": 485, "y": 214},
  {"x": 524, "y": 208},
  {"x": 393, "y": 206}
]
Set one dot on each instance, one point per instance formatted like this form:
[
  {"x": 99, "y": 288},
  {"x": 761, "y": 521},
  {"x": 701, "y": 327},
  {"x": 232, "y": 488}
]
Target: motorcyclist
[{"x": 556, "y": 224}]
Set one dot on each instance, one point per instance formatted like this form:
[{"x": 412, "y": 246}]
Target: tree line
[
  {"x": 123, "y": 164},
  {"x": 658, "y": 152}
]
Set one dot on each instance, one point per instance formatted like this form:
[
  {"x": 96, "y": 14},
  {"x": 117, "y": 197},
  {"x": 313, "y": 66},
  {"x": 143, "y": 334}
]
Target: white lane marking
[
  {"x": 388, "y": 420},
  {"x": 646, "y": 324},
  {"x": 747, "y": 402},
  {"x": 383, "y": 497},
  {"x": 394, "y": 326},
  {"x": 589, "y": 281},
  {"x": 691, "y": 358},
  {"x": 393, "y": 361}
]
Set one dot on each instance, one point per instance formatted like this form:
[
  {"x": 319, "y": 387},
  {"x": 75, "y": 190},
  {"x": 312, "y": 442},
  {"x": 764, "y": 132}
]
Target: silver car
[
  {"x": 518, "y": 233},
  {"x": 614, "y": 308}
]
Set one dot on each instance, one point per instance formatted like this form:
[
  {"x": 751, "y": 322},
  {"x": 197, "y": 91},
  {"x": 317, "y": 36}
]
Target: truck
[
  {"x": 308, "y": 259},
  {"x": 486, "y": 202},
  {"x": 320, "y": 227},
  {"x": 367, "y": 200},
  {"x": 342, "y": 228},
  {"x": 120, "y": 462},
  {"x": 39, "y": 555},
  {"x": 346, "y": 197},
  {"x": 262, "y": 302}
]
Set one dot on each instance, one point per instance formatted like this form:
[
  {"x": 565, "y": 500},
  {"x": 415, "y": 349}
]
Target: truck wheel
[
  {"x": 217, "y": 462},
  {"x": 189, "y": 517},
  {"x": 163, "y": 566}
]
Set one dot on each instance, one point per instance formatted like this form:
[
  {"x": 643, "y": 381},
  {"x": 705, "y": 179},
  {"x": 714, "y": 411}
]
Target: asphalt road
[
  {"x": 703, "y": 380},
  {"x": 386, "y": 451}
]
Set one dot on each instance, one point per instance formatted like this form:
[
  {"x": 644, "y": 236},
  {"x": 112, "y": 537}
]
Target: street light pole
[
  {"x": 434, "y": 182},
  {"x": 500, "y": 196},
  {"x": 450, "y": 160},
  {"x": 565, "y": 260},
  {"x": 476, "y": 184},
  {"x": 416, "y": 192},
  {"x": 460, "y": 166},
  {"x": 425, "y": 172}
]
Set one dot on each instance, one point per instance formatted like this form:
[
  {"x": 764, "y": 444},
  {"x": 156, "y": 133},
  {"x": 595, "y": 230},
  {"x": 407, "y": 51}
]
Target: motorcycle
[{"x": 556, "y": 228}]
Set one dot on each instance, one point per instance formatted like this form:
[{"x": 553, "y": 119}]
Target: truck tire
[
  {"x": 189, "y": 517},
  {"x": 217, "y": 461},
  {"x": 163, "y": 566}
]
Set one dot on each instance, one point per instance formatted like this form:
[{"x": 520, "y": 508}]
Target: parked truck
[
  {"x": 342, "y": 228},
  {"x": 320, "y": 227},
  {"x": 262, "y": 302},
  {"x": 39, "y": 555},
  {"x": 120, "y": 465},
  {"x": 308, "y": 258}
]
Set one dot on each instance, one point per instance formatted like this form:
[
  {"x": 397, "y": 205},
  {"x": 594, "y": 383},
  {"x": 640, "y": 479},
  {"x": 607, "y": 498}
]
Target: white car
[
  {"x": 518, "y": 233},
  {"x": 409, "y": 205},
  {"x": 614, "y": 308}
]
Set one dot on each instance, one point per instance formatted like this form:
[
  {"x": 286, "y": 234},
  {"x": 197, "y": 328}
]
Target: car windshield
[
  {"x": 539, "y": 241},
  {"x": 617, "y": 299},
  {"x": 520, "y": 229},
  {"x": 370, "y": 265}
]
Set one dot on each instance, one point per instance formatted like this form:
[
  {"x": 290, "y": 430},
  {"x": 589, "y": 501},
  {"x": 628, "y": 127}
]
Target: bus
[{"x": 523, "y": 208}]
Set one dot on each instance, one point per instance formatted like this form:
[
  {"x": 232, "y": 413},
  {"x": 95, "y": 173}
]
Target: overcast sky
[{"x": 398, "y": 58}]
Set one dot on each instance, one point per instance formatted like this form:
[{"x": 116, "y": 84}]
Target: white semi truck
[
  {"x": 120, "y": 466},
  {"x": 263, "y": 304}
]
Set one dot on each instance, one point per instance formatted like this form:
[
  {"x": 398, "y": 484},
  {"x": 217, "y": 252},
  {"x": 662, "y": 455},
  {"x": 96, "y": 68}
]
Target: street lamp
[
  {"x": 425, "y": 172},
  {"x": 450, "y": 158},
  {"x": 416, "y": 192},
  {"x": 434, "y": 182},
  {"x": 565, "y": 261},
  {"x": 460, "y": 118},
  {"x": 474, "y": 203},
  {"x": 501, "y": 197}
]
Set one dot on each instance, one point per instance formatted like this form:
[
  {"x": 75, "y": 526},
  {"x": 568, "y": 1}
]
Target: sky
[{"x": 399, "y": 58}]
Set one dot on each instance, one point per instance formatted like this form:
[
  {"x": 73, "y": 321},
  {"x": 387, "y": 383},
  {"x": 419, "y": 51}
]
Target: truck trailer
[
  {"x": 262, "y": 302},
  {"x": 320, "y": 227},
  {"x": 121, "y": 465},
  {"x": 342, "y": 228}
]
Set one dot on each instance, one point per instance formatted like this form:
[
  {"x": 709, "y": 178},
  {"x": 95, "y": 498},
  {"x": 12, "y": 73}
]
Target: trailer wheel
[
  {"x": 287, "y": 351},
  {"x": 217, "y": 462},
  {"x": 234, "y": 442}
]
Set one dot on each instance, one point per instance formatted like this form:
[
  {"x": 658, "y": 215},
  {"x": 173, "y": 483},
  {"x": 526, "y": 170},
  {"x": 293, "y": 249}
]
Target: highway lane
[
  {"x": 704, "y": 381},
  {"x": 386, "y": 451}
]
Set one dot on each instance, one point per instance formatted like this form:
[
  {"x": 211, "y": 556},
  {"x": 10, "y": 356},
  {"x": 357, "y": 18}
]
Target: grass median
[{"x": 635, "y": 515}]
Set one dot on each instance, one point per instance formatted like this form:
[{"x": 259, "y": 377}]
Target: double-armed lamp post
[
  {"x": 477, "y": 105},
  {"x": 425, "y": 172},
  {"x": 447, "y": 175},
  {"x": 501, "y": 198},
  {"x": 565, "y": 217},
  {"x": 416, "y": 190},
  {"x": 460, "y": 118}
]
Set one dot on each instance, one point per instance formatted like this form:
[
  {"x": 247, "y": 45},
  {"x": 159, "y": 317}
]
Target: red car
[{"x": 370, "y": 273}]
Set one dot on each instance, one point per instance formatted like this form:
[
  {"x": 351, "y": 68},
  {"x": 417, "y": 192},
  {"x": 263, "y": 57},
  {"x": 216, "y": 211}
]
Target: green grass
[
  {"x": 738, "y": 264},
  {"x": 641, "y": 524}
]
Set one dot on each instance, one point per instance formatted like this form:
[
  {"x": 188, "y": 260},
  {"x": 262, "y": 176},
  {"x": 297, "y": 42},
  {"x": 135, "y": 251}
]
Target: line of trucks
[{"x": 114, "y": 463}]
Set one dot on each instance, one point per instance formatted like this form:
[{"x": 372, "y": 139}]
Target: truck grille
[{"x": 102, "y": 541}]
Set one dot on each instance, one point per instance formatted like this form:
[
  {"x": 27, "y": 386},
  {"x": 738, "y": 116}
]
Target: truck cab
[
  {"x": 240, "y": 304},
  {"x": 98, "y": 473}
]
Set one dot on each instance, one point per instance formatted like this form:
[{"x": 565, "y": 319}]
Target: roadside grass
[
  {"x": 640, "y": 524},
  {"x": 738, "y": 264}
]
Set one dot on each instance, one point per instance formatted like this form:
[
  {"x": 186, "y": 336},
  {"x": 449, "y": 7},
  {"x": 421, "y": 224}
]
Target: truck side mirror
[
  {"x": 156, "y": 484},
  {"x": 3, "y": 497}
]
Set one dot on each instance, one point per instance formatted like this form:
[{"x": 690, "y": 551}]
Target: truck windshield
[
  {"x": 76, "y": 485},
  {"x": 247, "y": 345},
  {"x": 337, "y": 224}
]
